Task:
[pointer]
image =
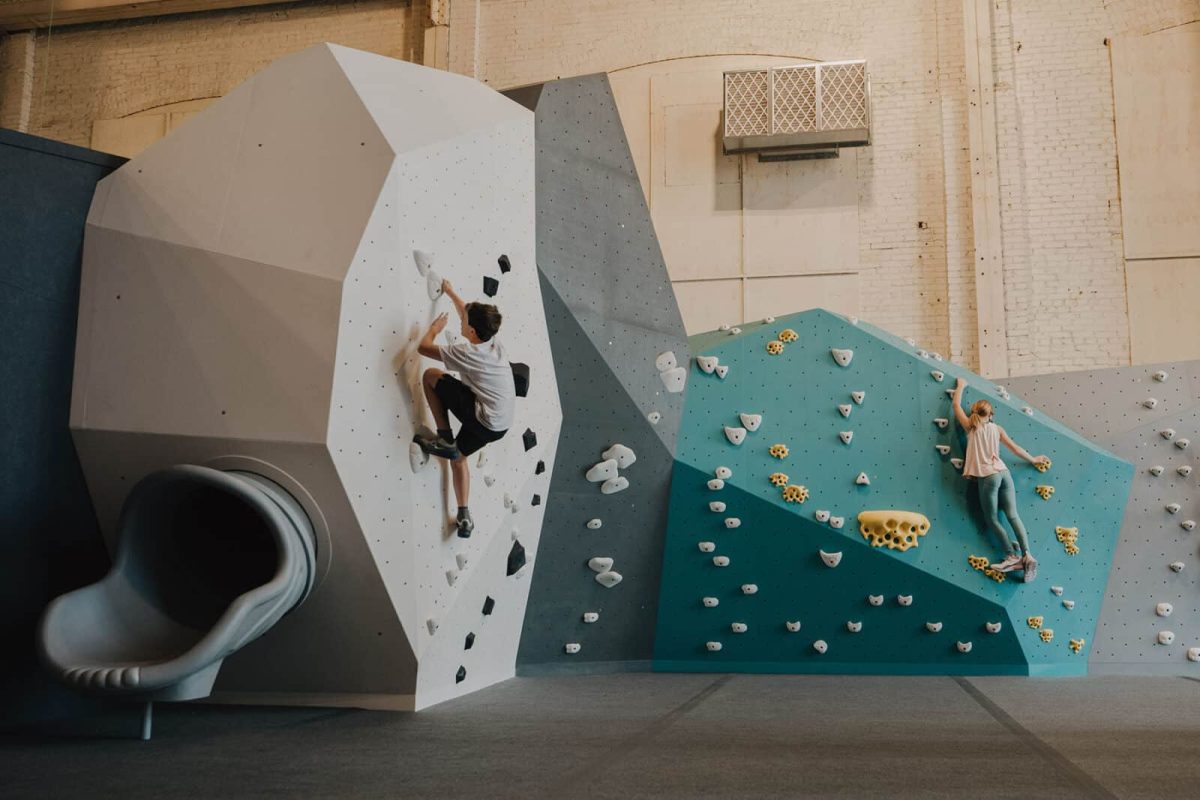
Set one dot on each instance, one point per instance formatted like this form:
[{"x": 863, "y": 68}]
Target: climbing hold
[
  {"x": 875, "y": 599},
  {"x": 665, "y": 361},
  {"x": 984, "y": 565},
  {"x": 820, "y": 646},
  {"x": 490, "y": 286},
  {"x": 1044, "y": 491},
  {"x": 992, "y": 627},
  {"x": 1076, "y": 645},
  {"x": 602, "y": 471},
  {"x": 1177, "y": 566},
  {"x": 904, "y": 599},
  {"x": 846, "y": 436},
  {"x": 461, "y": 675},
  {"x": 1167, "y": 433},
  {"x": 792, "y": 627},
  {"x": 1172, "y": 508},
  {"x": 716, "y": 484},
  {"x": 1164, "y": 609},
  {"x": 1159, "y": 376},
  {"x": 936, "y": 356},
  {"x": 716, "y": 506},
  {"x": 732, "y": 522},
  {"x": 721, "y": 561},
  {"x": 433, "y": 284},
  {"x": 489, "y": 604},
  {"x": 536, "y": 501},
  {"x": 600, "y": 563},
  {"x": 950, "y": 393},
  {"x": 1188, "y": 524},
  {"x": 674, "y": 379},
  {"x": 957, "y": 463},
  {"x": 431, "y": 625},
  {"x": 1068, "y": 537},
  {"x": 1184, "y": 469},
  {"x": 778, "y": 479},
  {"x": 1193, "y": 654},
  {"x": 572, "y": 648},
  {"x": 844, "y": 409},
  {"x": 614, "y": 485},
  {"x": 1058, "y": 590},
  {"x": 713, "y": 646},
  {"x": 505, "y": 264},
  {"x": 451, "y": 577},
  {"x": 529, "y": 439},
  {"x": 1156, "y": 470},
  {"x": 738, "y": 627},
  {"x": 735, "y": 435},
  {"x": 911, "y": 341},
  {"x": 623, "y": 455},
  {"x": 594, "y": 524},
  {"x": 1035, "y": 622},
  {"x": 1043, "y": 465},
  {"x": 774, "y": 347},
  {"x": 821, "y": 515},
  {"x": 654, "y": 417},
  {"x": 831, "y": 559},
  {"x": 469, "y": 642},
  {"x": 1027, "y": 411},
  {"x": 862, "y": 479},
  {"x": 964, "y": 647},
  {"x": 1069, "y": 605},
  {"x": 944, "y": 449},
  {"x": 896, "y": 530},
  {"x": 941, "y": 422},
  {"x": 724, "y": 473},
  {"x": 858, "y": 396},
  {"x": 516, "y": 559},
  {"x": 1150, "y": 402},
  {"x": 1182, "y": 443},
  {"x": 1046, "y": 634},
  {"x": 842, "y": 357},
  {"x": 1166, "y": 637},
  {"x": 788, "y": 335},
  {"x": 722, "y": 370},
  {"x": 461, "y": 560},
  {"x": 707, "y": 364},
  {"x": 933, "y": 627},
  {"x": 750, "y": 421},
  {"x": 938, "y": 375},
  {"x": 417, "y": 457},
  {"x": 778, "y": 450},
  {"x": 837, "y": 522},
  {"x": 609, "y": 579},
  {"x": 923, "y": 353},
  {"x": 795, "y": 494},
  {"x": 509, "y": 503},
  {"x": 749, "y": 588},
  {"x": 768, "y": 320},
  {"x": 724, "y": 326},
  {"x": 854, "y": 627},
  {"x": 423, "y": 260},
  {"x": 710, "y": 602},
  {"x": 540, "y": 468}
]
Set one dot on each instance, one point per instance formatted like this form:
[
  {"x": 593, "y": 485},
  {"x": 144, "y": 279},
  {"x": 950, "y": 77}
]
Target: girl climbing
[{"x": 995, "y": 484}]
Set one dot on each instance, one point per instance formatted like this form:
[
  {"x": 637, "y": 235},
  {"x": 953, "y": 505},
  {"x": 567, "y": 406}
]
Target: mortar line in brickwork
[
  {"x": 1065, "y": 767},
  {"x": 605, "y": 761}
]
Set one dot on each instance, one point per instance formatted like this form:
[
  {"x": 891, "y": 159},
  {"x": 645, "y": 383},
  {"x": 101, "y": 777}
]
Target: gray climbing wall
[
  {"x": 610, "y": 311},
  {"x": 1111, "y": 408}
]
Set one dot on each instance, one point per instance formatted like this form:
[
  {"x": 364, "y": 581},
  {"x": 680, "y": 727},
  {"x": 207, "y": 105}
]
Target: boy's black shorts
[{"x": 458, "y": 399}]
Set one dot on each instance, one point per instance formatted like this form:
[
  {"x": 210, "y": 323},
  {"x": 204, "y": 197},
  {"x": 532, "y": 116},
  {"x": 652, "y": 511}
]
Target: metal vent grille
[{"x": 809, "y": 105}]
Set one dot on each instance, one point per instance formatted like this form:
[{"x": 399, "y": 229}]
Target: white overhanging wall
[{"x": 250, "y": 301}]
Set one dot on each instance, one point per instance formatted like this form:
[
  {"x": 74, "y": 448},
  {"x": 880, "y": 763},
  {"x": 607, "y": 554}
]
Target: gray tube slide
[{"x": 206, "y": 562}]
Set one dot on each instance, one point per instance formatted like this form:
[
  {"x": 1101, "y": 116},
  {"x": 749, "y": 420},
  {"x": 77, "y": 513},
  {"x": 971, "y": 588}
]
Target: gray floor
[{"x": 643, "y": 735}]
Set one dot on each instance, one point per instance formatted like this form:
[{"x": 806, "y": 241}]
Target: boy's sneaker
[
  {"x": 437, "y": 446},
  {"x": 465, "y": 524},
  {"x": 1030, "y": 568},
  {"x": 1010, "y": 563}
]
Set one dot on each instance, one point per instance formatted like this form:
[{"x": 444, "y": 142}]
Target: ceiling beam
[{"x": 19, "y": 15}]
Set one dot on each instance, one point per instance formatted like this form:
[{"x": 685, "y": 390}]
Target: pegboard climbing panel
[
  {"x": 866, "y": 425},
  {"x": 251, "y": 299}
]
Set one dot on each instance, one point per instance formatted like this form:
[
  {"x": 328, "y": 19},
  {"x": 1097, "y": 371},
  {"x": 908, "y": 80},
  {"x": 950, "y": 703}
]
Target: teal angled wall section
[{"x": 894, "y": 436}]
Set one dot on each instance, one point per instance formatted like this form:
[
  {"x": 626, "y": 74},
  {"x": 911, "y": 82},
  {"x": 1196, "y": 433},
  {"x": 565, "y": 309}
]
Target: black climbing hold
[
  {"x": 488, "y": 605},
  {"x": 516, "y": 559},
  {"x": 540, "y": 468},
  {"x": 505, "y": 266},
  {"x": 537, "y": 500},
  {"x": 490, "y": 286},
  {"x": 461, "y": 675},
  {"x": 470, "y": 640},
  {"x": 529, "y": 438},
  {"x": 520, "y": 378}
]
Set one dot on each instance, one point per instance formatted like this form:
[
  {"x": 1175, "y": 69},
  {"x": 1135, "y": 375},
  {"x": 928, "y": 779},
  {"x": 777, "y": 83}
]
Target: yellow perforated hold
[
  {"x": 983, "y": 565},
  {"x": 1069, "y": 538},
  {"x": 795, "y": 493},
  {"x": 1043, "y": 466},
  {"x": 1044, "y": 491},
  {"x": 1046, "y": 634},
  {"x": 1035, "y": 622},
  {"x": 1076, "y": 645},
  {"x": 778, "y": 479},
  {"x": 778, "y": 450},
  {"x": 788, "y": 335},
  {"x": 774, "y": 347},
  {"x": 895, "y": 530}
]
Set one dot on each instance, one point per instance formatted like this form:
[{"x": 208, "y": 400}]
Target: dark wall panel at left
[{"x": 49, "y": 540}]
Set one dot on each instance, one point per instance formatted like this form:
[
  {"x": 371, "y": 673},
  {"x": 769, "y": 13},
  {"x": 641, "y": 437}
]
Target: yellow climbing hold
[
  {"x": 1044, "y": 491},
  {"x": 1076, "y": 645},
  {"x": 983, "y": 565},
  {"x": 778, "y": 450},
  {"x": 795, "y": 493},
  {"x": 1068, "y": 537},
  {"x": 1046, "y": 634},
  {"x": 778, "y": 479},
  {"x": 1043, "y": 466},
  {"x": 788, "y": 335},
  {"x": 774, "y": 347},
  {"x": 1035, "y": 622},
  {"x": 895, "y": 530}
]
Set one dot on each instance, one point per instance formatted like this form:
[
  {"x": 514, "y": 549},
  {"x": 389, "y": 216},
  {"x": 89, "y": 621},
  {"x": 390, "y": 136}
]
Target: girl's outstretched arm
[
  {"x": 1020, "y": 451},
  {"x": 957, "y": 403}
]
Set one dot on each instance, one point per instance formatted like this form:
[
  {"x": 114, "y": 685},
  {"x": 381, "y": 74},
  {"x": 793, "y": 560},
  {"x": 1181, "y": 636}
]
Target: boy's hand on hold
[{"x": 447, "y": 287}]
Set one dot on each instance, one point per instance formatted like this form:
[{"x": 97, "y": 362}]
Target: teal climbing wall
[{"x": 776, "y": 547}]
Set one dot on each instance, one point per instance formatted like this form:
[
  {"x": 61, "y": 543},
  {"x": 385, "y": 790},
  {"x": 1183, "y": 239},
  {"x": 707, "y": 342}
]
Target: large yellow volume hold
[{"x": 895, "y": 530}]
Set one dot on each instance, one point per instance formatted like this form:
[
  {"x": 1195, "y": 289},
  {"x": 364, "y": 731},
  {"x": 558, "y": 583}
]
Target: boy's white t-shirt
[{"x": 484, "y": 368}]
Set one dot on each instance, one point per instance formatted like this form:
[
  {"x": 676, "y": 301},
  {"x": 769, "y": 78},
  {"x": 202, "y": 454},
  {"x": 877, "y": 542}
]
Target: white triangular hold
[
  {"x": 957, "y": 463},
  {"x": 842, "y": 357},
  {"x": 600, "y": 563},
  {"x": 831, "y": 559},
  {"x": 461, "y": 560},
  {"x": 665, "y": 361},
  {"x": 424, "y": 261},
  {"x": 417, "y": 457},
  {"x": 431, "y": 625},
  {"x": 862, "y": 479},
  {"x": 489, "y": 480},
  {"x": 451, "y": 576},
  {"x": 609, "y": 579},
  {"x": 614, "y": 485},
  {"x": 433, "y": 285},
  {"x": 602, "y": 471},
  {"x": 707, "y": 364},
  {"x": 624, "y": 456},
  {"x": 674, "y": 379},
  {"x": 845, "y": 436},
  {"x": 844, "y": 409},
  {"x": 735, "y": 435},
  {"x": 941, "y": 422},
  {"x": 944, "y": 449},
  {"x": 654, "y": 417},
  {"x": 750, "y": 421},
  {"x": 722, "y": 370},
  {"x": 937, "y": 375},
  {"x": 858, "y": 396}
]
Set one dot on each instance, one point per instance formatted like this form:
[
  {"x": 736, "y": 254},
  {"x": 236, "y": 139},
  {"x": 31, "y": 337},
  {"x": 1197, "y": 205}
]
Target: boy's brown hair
[{"x": 485, "y": 319}]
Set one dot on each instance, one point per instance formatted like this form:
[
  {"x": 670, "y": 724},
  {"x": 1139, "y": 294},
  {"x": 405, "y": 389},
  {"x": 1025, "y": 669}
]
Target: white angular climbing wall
[{"x": 250, "y": 300}]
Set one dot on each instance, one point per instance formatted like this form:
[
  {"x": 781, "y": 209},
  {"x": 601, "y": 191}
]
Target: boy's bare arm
[
  {"x": 427, "y": 347},
  {"x": 459, "y": 305}
]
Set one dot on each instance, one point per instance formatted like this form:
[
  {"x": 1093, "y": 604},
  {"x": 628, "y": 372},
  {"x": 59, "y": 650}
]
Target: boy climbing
[
  {"x": 996, "y": 492},
  {"x": 483, "y": 400}
]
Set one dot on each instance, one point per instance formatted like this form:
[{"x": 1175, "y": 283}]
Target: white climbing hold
[
  {"x": 1156, "y": 470},
  {"x": 852, "y": 320},
  {"x": 609, "y": 579},
  {"x": 750, "y": 421},
  {"x": 1166, "y": 637},
  {"x": 674, "y": 379},
  {"x": 724, "y": 473},
  {"x": 844, "y": 409},
  {"x": 600, "y": 563},
  {"x": 1027, "y": 411},
  {"x": 614, "y": 485},
  {"x": 1164, "y": 609},
  {"x": 938, "y": 375},
  {"x": 845, "y": 436},
  {"x": 923, "y": 353},
  {"x": 904, "y": 599},
  {"x": 665, "y": 361},
  {"x": 793, "y": 627},
  {"x": 1181, "y": 443},
  {"x": 944, "y": 449},
  {"x": 654, "y": 417},
  {"x": 1150, "y": 402},
  {"x": 623, "y": 455},
  {"x": 716, "y": 506},
  {"x": 749, "y": 588},
  {"x": 858, "y": 396},
  {"x": 591, "y": 616},
  {"x": 821, "y": 515},
  {"x": 941, "y": 422},
  {"x": 602, "y": 471},
  {"x": 1193, "y": 654},
  {"x": 831, "y": 559},
  {"x": 1184, "y": 469},
  {"x": 707, "y": 547},
  {"x": 737, "y": 627},
  {"x": 423, "y": 260},
  {"x": 1159, "y": 376},
  {"x": 837, "y": 522},
  {"x": 911, "y": 341},
  {"x": 950, "y": 393},
  {"x": 451, "y": 576},
  {"x": 957, "y": 463},
  {"x": 431, "y": 625},
  {"x": 713, "y": 646},
  {"x": 1177, "y": 566},
  {"x": 936, "y": 356},
  {"x": 768, "y": 320},
  {"x": 862, "y": 479},
  {"x": 1167, "y": 433},
  {"x": 724, "y": 326},
  {"x": 722, "y": 370},
  {"x": 820, "y": 646},
  {"x": 716, "y": 484},
  {"x": 710, "y": 602},
  {"x": 433, "y": 285},
  {"x": 594, "y": 524},
  {"x": 1188, "y": 524},
  {"x": 417, "y": 457},
  {"x": 509, "y": 503},
  {"x": 707, "y": 364},
  {"x": 734, "y": 331},
  {"x": 992, "y": 627},
  {"x": 1058, "y": 590},
  {"x": 875, "y": 599},
  {"x": 732, "y": 522},
  {"x": 1172, "y": 508},
  {"x": 933, "y": 627},
  {"x": 842, "y": 357},
  {"x": 721, "y": 561},
  {"x": 735, "y": 435},
  {"x": 964, "y": 647},
  {"x": 854, "y": 627},
  {"x": 1069, "y": 605}
]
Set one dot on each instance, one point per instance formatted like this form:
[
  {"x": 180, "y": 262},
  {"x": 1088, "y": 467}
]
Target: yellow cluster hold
[
  {"x": 895, "y": 530},
  {"x": 1043, "y": 465},
  {"x": 1046, "y": 634},
  {"x": 1044, "y": 491},
  {"x": 1035, "y": 622},
  {"x": 778, "y": 479},
  {"x": 1068, "y": 537},
  {"x": 1076, "y": 645},
  {"x": 788, "y": 335},
  {"x": 778, "y": 450},
  {"x": 795, "y": 493},
  {"x": 774, "y": 347},
  {"x": 983, "y": 565}
]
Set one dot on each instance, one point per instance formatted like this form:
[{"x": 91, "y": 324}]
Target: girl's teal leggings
[{"x": 997, "y": 492}]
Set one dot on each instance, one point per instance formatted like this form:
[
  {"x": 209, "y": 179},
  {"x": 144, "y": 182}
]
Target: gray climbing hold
[
  {"x": 1184, "y": 469},
  {"x": 433, "y": 285},
  {"x": 1177, "y": 566},
  {"x": 665, "y": 361},
  {"x": 1156, "y": 470},
  {"x": 1150, "y": 402},
  {"x": 1159, "y": 376},
  {"x": 461, "y": 560},
  {"x": 1173, "y": 508},
  {"x": 423, "y": 261},
  {"x": 1188, "y": 524},
  {"x": 452, "y": 576},
  {"x": 674, "y": 379},
  {"x": 431, "y": 626},
  {"x": 1167, "y": 433},
  {"x": 1182, "y": 443}
]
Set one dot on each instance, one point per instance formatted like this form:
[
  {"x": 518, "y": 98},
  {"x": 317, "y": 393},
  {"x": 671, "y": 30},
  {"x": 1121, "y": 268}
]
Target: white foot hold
[
  {"x": 831, "y": 559},
  {"x": 571, "y": 648},
  {"x": 793, "y": 627},
  {"x": 433, "y": 285},
  {"x": 594, "y": 524},
  {"x": 722, "y": 370},
  {"x": 713, "y": 647},
  {"x": 1166, "y": 637},
  {"x": 846, "y": 436},
  {"x": 707, "y": 364},
  {"x": 600, "y": 564},
  {"x": 654, "y": 417},
  {"x": 820, "y": 646},
  {"x": 854, "y": 627},
  {"x": 707, "y": 547},
  {"x": 844, "y": 409},
  {"x": 665, "y": 361},
  {"x": 858, "y": 396},
  {"x": 614, "y": 485},
  {"x": 724, "y": 473},
  {"x": 735, "y": 435},
  {"x": 992, "y": 627},
  {"x": 738, "y": 627},
  {"x": 875, "y": 599},
  {"x": 862, "y": 479},
  {"x": 424, "y": 261},
  {"x": 591, "y": 616},
  {"x": 837, "y": 522},
  {"x": 933, "y": 627},
  {"x": 710, "y": 602},
  {"x": 623, "y": 455},
  {"x": 964, "y": 647},
  {"x": 904, "y": 599},
  {"x": 749, "y": 588},
  {"x": 674, "y": 379},
  {"x": 609, "y": 579},
  {"x": 842, "y": 357},
  {"x": 750, "y": 421},
  {"x": 602, "y": 471}
]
